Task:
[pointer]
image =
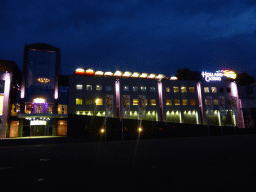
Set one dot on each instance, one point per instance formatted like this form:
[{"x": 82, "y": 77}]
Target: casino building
[{"x": 212, "y": 101}]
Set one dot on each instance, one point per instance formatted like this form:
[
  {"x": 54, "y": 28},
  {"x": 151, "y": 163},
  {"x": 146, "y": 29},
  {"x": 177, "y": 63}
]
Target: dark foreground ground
[{"x": 220, "y": 163}]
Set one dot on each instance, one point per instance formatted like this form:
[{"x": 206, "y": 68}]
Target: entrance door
[{"x": 38, "y": 130}]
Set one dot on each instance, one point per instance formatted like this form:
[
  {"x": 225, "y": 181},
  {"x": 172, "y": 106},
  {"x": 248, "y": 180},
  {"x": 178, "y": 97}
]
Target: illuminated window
[
  {"x": 89, "y": 101},
  {"x": 98, "y": 101},
  {"x": 135, "y": 101},
  {"x": 126, "y": 88},
  {"x": 192, "y": 102},
  {"x": 175, "y": 89},
  {"x": 79, "y": 101},
  {"x": 176, "y": 102},
  {"x": 206, "y": 89},
  {"x": 184, "y": 102},
  {"x": 134, "y": 88},
  {"x": 191, "y": 90},
  {"x": 98, "y": 87},
  {"x": 215, "y": 102},
  {"x": 88, "y": 87},
  {"x": 214, "y": 89},
  {"x": 184, "y": 89},
  {"x": 79, "y": 87},
  {"x": 168, "y": 102},
  {"x": 108, "y": 88},
  {"x": 152, "y": 89},
  {"x": 143, "y": 88},
  {"x": 207, "y": 102},
  {"x": 152, "y": 102},
  {"x": 1, "y": 104},
  {"x": 167, "y": 89},
  {"x": 146, "y": 102}
]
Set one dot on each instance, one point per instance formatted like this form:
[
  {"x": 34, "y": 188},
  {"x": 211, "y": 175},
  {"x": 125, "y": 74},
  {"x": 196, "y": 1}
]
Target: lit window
[
  {"x": 191, "y": 90},
  {"x": 152, "y": 89},
  {"x": 176, "y": 101},
  {"x": 135, "y": 101},
  {"x": 214, "y": 89},
  {"x": 184, "y": 89},
  {"x": 88, "y": 87},
  {"x": 98, "y": 87},
  {"x": 215, "y": 102},
  {"x": 192, "y": 102},
  {"x": 167, "y": 89},
  {"x": 89, "y": 101},
  {"x": 79, "y": 101},
  {"x": 98, "y": 101},
  {"x": 175, "y": 89},
  {"x": 152, "y": 102},
  {"x": 184, "y": 102},
  {"x": 168, "y": 102},
  {"x": 143, "y": 88},
  {"x": 207, "y": 102},
  {"x": 135, "y": 88},
  {"x": 206, "y": 89},
  {"x": 126, "y": 88},
  {"x": 108, "y": 88},
  {"x": 146, "y": 102},
  {"x": 79, "y": 87}
]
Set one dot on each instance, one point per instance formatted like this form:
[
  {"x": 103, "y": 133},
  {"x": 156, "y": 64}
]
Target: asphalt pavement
[{"x": 220, "y": 163}]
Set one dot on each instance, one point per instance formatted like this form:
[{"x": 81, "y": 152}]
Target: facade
[
  {"x": 39, "y": 113},
  {"x": 213, "y": 101}
]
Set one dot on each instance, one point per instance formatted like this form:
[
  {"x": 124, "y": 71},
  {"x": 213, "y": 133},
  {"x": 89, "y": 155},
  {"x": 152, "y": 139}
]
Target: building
[
  {"x": 39, "y": 94},
  {"x": 212, "y": 101}
]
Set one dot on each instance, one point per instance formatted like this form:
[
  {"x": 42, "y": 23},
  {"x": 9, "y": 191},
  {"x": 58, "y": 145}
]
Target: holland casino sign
[
  {"x": 212, "y": 76},
  {"x": 218, "y": 75}
]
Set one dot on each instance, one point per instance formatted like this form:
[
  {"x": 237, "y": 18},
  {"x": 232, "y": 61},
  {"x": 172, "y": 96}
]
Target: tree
[
  {"x": 244, "y": 79},
  {"x": 186, "y": 74}
]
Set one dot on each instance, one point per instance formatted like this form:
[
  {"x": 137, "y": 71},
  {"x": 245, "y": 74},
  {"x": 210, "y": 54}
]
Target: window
[
  {"x": 184, "y": 102},
  {"x": 214, "y": 89},
  {"x": 108, "y": 88},
  {"x": 184, "y": 89},
  {"x": 143, "y": 88},
  {"x": 192, "y": 102},
  {"x": 98, "y": 101},
  {"x": 135, "y": 101},
  {"x": 206, "y": 89},
  {"x": 221, "y": 90},
  {"x": 88, "y": 87},
  {"x": 168, "y": 102},
  {"x": 152, "y": 102},
  {"x": 126, "y": 88},
  {"x": 79, "y": 87},
  {"x": 175, "y": 89},
  {"x": 191, "y": 89},
  {"x": 215, "y": 102},
  {"x": 176, "y": 101},
  {"x": 167, "y": 89},
  {"x": 98, "y": 87},
  {"x": 228, "y": 89},
  {"x": 152, "y": 89},
  {"x": 79, "y": 101},
  {"x": 135, "y": 88},
  {"x": 88, "y": 102}
]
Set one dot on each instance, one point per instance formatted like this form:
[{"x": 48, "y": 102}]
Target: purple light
[
  {"x": 200, "y": 101},
  {"x": 160, "y": 94},
  {"x": 117, "y": 87}
]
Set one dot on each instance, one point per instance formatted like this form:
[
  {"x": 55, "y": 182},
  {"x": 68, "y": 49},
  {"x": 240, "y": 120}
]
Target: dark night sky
[{"x": 151, "y": 36}]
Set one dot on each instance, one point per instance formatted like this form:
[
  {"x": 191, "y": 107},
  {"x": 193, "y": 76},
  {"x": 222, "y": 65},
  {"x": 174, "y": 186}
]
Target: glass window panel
[
  {"x": 142, "y": 88},
  {"x": 88, "y": 87},
  {"x": 175, "y": 89},
  {"x": 168, "y": 102},
  {"x": 192, "y": 102},
  {"x": 184, "y": 102},
  {"x": 215, "y": 102},
  {"x": 98, "y": 87},
  {"x": 135, "y": 101},
  {"x": 183, "y": 89},
  {"x": 152, "y": 89},
  {"x": 98, "y": 101},
  {"x": 126, "y": 88},
  {"x": 177, "y": 101},
  {"x": 214, "y": 89},
  {"x": 206, "y": 89},
  {"x": 79, "y": 87},
  {"x": 152, "y": 102},
  {"x": 191, "y": 89},
  {"x": 79, "y": 101},
  {"x": 135, "y": 88},
  {"x": 89, "y": 101},
  {"x": 167, "y": 89},
  {"x": 108, "y": 88}
]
